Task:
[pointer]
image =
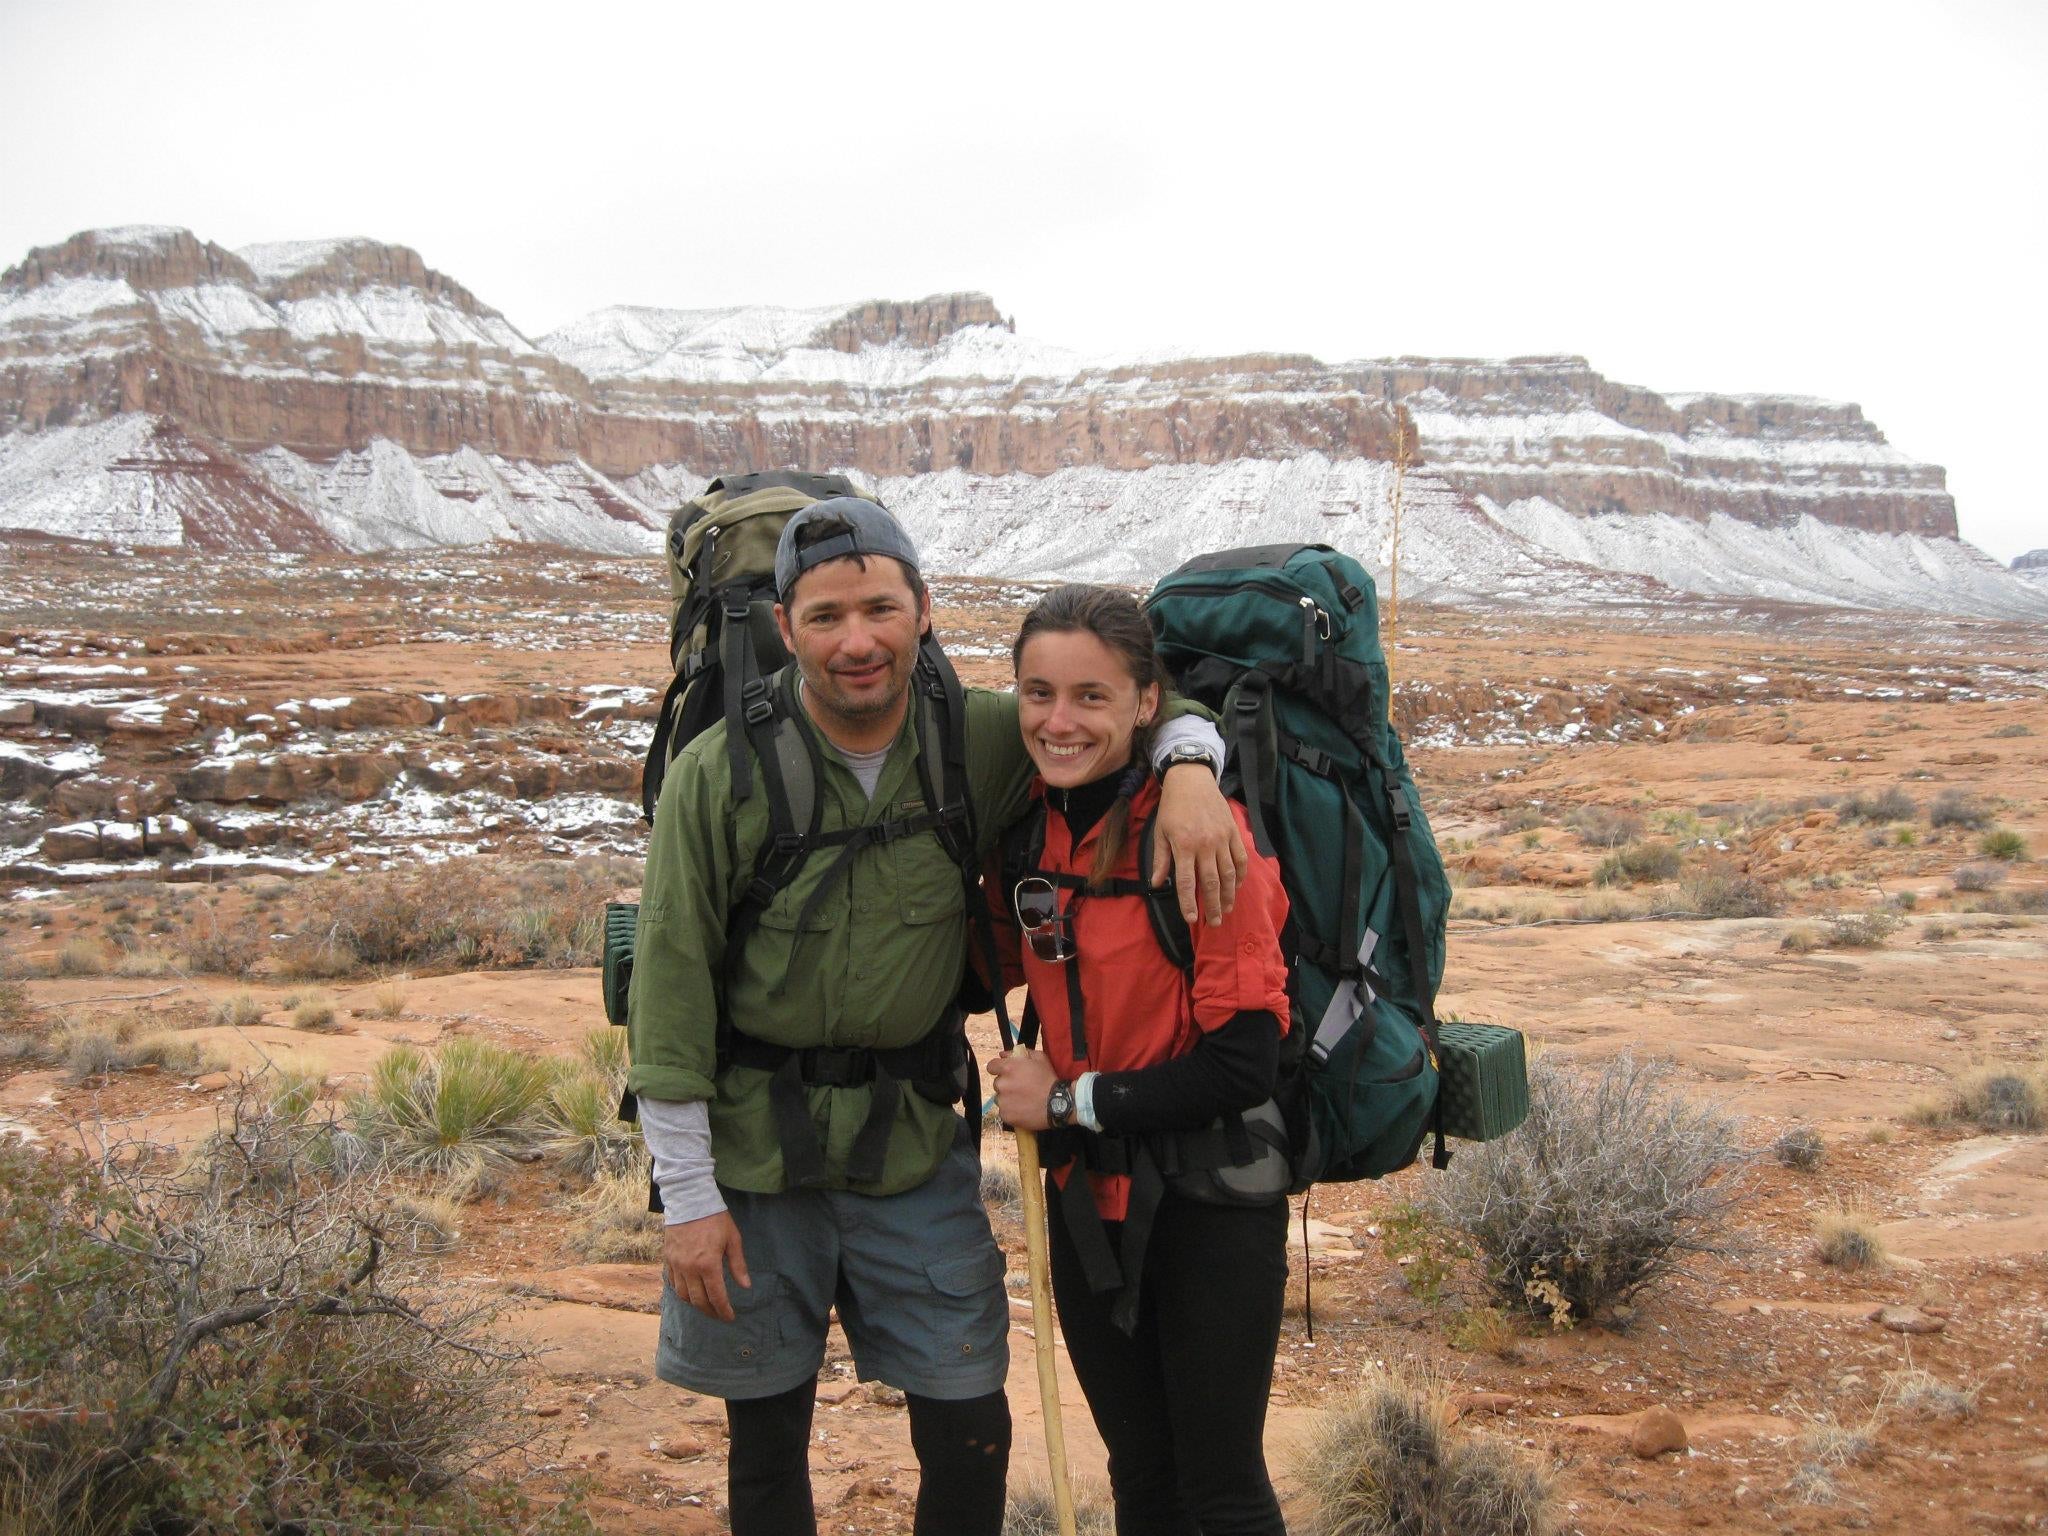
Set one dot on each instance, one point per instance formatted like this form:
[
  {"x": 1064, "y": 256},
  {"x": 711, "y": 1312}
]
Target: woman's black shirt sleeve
[{"x": 1230, "y": 1068}]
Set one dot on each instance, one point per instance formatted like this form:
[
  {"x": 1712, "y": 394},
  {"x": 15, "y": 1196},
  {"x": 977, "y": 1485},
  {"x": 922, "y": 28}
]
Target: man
[{"x": 795, "y": 1087}]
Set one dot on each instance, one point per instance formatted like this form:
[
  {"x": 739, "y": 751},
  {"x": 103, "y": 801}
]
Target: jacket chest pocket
[{"x": 928, "y": 888}]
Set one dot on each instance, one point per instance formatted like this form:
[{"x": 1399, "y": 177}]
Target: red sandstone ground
[{"x": 1725, "y": 733}]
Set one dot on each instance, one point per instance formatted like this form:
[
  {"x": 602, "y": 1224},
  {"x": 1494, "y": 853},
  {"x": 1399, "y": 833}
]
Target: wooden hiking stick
[{"x": 1032, "y": 1185}]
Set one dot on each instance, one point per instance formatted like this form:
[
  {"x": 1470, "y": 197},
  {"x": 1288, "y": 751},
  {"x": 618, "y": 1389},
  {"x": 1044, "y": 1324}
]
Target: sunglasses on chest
[{"x": 1036, "y": 901}]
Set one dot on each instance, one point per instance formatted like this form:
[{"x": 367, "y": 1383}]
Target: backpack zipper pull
[{"x": 1314, "y": 622}]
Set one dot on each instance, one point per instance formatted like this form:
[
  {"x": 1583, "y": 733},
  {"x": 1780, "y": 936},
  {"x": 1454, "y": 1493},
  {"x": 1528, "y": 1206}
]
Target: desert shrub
[
  {"x": 584, "y": 1132},
  {"x": 1523, "y": 818},
  {"x": 2027, "y": 899},
  {"x": 315, "y": 1013},
  {"x": 476, "y": 912},
  {"x": 1892, "y": 804},
  {"x": 613, "y": 1224},
  {"x": 171, "y": 1051},
  {"x": 1800, "y": 1148},
  {"x": 1957, "y": 808},
  {"x": 1847, "y": 1239},
  {"x": 242, "y": 1354},
  {"x": 1637, "y": 863},
  {"x": 218, "y": 947},
  {"x": 1801, "y": 940},
  {"x": 1719, "y": 891},
  {"x": 83, "y": 957},
  {"x": 2003, "y": 844},
  {"x": 1937, "y": 931},
  {"x": 1604, "y": 826},
  {"x": 13, "y": 998},
  {"x": 2007, "y": 732},
  {"x": 1029, "y": 1508},
  {"x": 1904, "y": 837},
  {"x": 1606, "y": 1187},
  {"x": 1387, "y": 1461},
  {"x": 1977, "y": 877},
  {"x": 238, "y": 1008},
  {"x": 1861, "y": 930},
  {"x": 455, "y": 1113}
]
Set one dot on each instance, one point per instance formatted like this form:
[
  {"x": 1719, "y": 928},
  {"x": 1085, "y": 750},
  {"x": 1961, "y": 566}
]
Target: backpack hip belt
[{"x": 930, "y": 1066}]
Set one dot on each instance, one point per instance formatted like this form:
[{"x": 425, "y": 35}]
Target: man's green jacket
[{"x": 878, "y": 964}]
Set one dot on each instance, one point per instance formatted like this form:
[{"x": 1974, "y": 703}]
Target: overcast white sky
[{"x": 1838, "y": 200}]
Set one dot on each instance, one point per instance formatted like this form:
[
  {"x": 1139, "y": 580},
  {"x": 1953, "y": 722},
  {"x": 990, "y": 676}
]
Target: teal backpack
[{"x": 1282, "y": 641}]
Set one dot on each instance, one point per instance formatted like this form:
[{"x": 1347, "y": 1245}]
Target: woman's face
[{"x": 1078, "y": 707}]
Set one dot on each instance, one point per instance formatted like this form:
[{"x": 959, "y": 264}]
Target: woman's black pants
[{"x": 1181, "y": 1404}]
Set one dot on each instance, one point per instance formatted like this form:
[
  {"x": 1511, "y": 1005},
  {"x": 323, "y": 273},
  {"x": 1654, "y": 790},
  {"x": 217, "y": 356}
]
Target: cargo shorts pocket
[
  {"x": 969, "y": 1316},
  {"x": 709, "y": 1345}
]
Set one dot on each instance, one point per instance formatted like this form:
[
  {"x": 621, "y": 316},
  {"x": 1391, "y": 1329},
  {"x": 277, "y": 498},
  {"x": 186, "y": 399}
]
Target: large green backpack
[
  {"x": 722, "y": 639},
  {"x": 1282, "y": 641}
]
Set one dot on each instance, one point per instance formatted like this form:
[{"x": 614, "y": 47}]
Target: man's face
[{"x": 854, "y": 635}]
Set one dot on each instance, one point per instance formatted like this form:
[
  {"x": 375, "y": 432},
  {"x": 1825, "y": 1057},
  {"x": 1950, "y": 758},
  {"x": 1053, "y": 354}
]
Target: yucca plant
[
  {"x": 454, "y": 1114},
  {"x": 585, "y": 1133}
]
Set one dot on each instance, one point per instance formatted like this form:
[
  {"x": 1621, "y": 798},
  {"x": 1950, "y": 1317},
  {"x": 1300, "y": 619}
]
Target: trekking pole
[{"x": 1032, "y": 1185}]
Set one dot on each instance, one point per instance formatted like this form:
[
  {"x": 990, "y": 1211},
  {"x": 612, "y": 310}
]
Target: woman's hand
[{"x": 1023, "y": 1082}]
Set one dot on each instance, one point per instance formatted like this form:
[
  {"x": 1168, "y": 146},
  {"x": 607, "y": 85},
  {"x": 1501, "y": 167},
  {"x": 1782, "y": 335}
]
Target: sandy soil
[{"x": 1730, "y": 735}]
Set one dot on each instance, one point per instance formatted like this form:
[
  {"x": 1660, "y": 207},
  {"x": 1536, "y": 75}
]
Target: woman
[{"x": 1169, "y": 1298}]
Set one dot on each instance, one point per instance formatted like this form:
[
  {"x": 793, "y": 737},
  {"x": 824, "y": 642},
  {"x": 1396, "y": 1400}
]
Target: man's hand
[
  {"x": 695, "y": 1254},
  {"x": 1023, "y": 1082},
  {"x": 1198, "y": 841}
]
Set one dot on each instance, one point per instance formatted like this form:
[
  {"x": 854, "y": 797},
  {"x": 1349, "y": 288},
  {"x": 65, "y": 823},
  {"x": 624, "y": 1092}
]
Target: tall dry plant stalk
[{"x": 1402, "y": 451}]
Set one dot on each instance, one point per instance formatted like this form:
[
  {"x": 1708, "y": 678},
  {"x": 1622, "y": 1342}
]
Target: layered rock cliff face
[{"x": 158, "y": 388}]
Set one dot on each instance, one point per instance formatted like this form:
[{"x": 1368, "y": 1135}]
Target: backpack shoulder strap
[{"x": 1162, "y": 906}]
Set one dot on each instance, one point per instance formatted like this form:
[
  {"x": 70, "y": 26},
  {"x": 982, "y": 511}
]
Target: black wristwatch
[
  {"x": 1059, "y": 1105},
  {"x": 1187, "y": 752}
]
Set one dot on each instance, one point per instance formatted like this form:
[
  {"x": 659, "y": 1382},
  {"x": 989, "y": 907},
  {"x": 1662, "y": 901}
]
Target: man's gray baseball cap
[{"x": 863, "y": 529}]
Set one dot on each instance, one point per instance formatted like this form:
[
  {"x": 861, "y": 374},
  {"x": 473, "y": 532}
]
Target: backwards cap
[{"x": 864, "y": 529}]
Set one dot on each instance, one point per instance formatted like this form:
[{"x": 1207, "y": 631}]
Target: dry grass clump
[
  {"x": 1610, "y": 907},
  {"x": 1029, "y": 1508},
  {"x": 1001, "y": 1192},
  {"x": 1387, "y": 1461},
  {"x": 1802, "y": 940},
  {"x": 388, "y": 1001},
  {"x": 83, "y": 956},
  {"x": 1604, "y": 826},
  {"x": 613, "y": 1224},
  {"x": 249, "y": 1354},
  {"x": 1606, "y": 1187},
  {"x": 241, "y": 1009},
  {"x": 1926, "y": 1396},
  {"x": 1992, "y": 1098},
  {"x": 416, "y": 1223},
  {"x": 1800, "y": 1148},
  {"x": 145, "y": 961},
  {"x": 315, "y": 1012},
  {"x": 455, "y": 1113},
  {"x": 1638, "y": 864},
  {"x": 218, "y": 947},
  {"x": 1828, "y": 1445},
  {"x": 1719, "y": 891},
  {"x": 1847, "y": 1238}
]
